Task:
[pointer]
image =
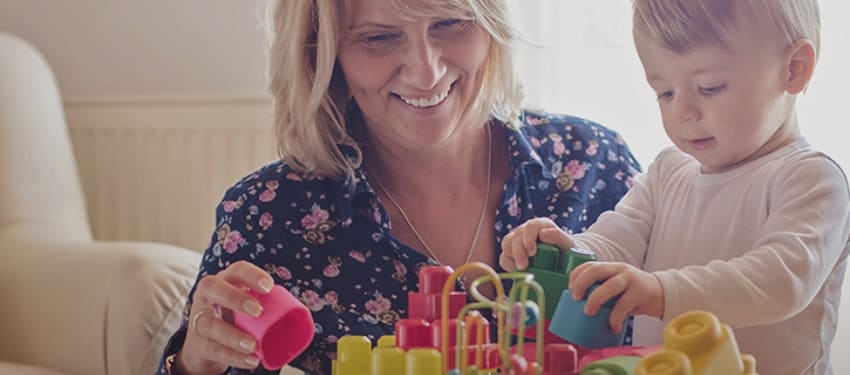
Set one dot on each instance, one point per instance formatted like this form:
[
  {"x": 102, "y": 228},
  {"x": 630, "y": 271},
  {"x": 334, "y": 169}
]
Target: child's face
[{"x": 723, "y": 105}]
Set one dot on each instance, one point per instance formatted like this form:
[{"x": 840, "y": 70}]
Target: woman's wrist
[{"x": 175, "y": 364}]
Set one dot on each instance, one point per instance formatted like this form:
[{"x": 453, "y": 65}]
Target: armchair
[{"x": 70, "y": 304}]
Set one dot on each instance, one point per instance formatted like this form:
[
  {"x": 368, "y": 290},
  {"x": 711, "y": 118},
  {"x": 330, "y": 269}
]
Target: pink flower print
[
  {"x": 592, "y": 148},
  {"x": 378, "y": 305},
  {"x": 513, "y": 207},
  {"x": 331, "y": 270},
  {"x": 332, "y": 297},
  {"x": 534, "y": 142},
  {"x": 267, "y": 195},
  {"x": 358, "y": 256},
  {"x": 317, "y": 216},
  {"x": 575, "y": 169},
  {"x": 399, "y": 266},
  {"x": 312, "y": 300},
  {"x": 228, "y": 206},
  {"x": 272, "y": 184},
  {"x": 266, "y": 220},
  {"x": 559, "y": 148},
  {"x": 232, "y": 242},
  {"x": 283, "y": 273}
]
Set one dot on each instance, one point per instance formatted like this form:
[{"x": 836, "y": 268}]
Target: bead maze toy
[{"x": 445, "y": 335}]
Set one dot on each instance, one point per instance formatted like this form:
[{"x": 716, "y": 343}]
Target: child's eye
[
  {"x": 664, "y": 96},
  {"x": 712, "y": 90}
]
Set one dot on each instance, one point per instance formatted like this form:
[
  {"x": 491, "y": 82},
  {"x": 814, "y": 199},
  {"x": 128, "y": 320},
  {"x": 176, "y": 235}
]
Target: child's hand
[
  {"x": 640, "y": 292},
  {"x": 521, "y": 243}
]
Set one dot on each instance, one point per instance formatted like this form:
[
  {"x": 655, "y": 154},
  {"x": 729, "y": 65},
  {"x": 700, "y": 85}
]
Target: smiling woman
[{"x": 415, "y": 103}]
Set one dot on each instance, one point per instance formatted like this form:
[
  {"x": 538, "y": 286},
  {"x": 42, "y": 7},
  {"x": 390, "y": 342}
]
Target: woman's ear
[{"x": 801, "y": 64}]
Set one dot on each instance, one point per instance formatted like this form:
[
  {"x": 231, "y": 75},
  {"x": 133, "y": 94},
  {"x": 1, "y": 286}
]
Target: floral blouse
[{"x": 328, "y": 241}]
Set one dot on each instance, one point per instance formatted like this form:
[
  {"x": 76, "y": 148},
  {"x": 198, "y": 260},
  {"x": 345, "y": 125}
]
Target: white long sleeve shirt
[{"x": 763, "y": 246}]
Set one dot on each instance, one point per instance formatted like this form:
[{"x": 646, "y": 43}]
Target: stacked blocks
[
  {"x": 551, "y": 269},
  {"x": 696, "y": 343}
]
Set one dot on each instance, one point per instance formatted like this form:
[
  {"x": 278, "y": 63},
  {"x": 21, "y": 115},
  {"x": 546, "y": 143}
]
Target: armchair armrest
[{"x": 91, "y": 307}]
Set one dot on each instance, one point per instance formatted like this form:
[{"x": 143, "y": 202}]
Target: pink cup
[{"x": 283, "y": 330}]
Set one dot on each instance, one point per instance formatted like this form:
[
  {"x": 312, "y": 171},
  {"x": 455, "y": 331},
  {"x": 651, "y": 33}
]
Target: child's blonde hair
[
  {"x": 311, "y": 97},
  {"x": 679, "y": 25}
]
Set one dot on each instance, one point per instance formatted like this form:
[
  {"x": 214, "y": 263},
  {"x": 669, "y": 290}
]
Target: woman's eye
[
  {"x": 711, "y": 90},
  {"x": 378, "y": 39},
  {"x": 450, "y": 24}
]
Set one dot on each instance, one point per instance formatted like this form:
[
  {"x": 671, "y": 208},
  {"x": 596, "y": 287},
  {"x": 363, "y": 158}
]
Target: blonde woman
[{"x": 402, "y": 144}]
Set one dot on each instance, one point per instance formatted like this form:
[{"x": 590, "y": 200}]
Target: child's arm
[
  {"x": 802, "y": 241},
  {"x": 618, "y": 235}
]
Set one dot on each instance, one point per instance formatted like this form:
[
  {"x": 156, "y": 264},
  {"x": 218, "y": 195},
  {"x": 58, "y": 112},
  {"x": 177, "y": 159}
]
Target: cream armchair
[{"x": 69, "y": 304}]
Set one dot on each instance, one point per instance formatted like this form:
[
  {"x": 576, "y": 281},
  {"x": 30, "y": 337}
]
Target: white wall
[{"x": 145, "y": 49}]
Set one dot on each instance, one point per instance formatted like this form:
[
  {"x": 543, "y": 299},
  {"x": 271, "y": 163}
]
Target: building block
[
  {"x": 594, "y": 355},
  {"x": 620, "y": 365},
  {"x": 425, "y": 303},
  {"x": 353, "y": 356},
  {"x": 696, "y": 343},
  {"x": 572, "y": 324},
  {"x": 551, "y": 268}
]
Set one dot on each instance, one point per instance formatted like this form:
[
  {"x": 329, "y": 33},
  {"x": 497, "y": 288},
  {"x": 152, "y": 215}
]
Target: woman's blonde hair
[
  {"x": 681, "y": 24},
  {"x": 310, "y": 94}
]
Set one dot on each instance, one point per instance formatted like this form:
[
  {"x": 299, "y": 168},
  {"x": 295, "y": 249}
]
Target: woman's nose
[{"x": 423, "y": 66}]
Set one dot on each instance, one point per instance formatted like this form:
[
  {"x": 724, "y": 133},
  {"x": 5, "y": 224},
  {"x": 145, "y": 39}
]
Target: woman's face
[{"x": 413, "y": 79}]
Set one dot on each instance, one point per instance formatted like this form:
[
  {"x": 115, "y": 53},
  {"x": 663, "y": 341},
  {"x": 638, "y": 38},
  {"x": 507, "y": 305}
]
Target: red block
[
  {"x": 413, "y": 333},
  {"x": 426, "y": 303}
]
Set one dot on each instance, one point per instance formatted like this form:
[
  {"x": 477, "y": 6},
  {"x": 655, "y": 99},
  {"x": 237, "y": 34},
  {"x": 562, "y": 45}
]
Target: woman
[{"x": 387, "y": 111}]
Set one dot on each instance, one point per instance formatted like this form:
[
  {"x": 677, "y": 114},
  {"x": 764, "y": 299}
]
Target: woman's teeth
[{"x": 426, "y": 102}]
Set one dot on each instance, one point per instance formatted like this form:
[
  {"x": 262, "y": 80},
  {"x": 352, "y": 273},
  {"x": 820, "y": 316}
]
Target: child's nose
[{"x": 686, "y": 110}]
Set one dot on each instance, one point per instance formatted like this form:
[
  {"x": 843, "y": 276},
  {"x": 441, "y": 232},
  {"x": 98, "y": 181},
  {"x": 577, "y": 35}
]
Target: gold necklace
[{"x": 480, "y": 219}]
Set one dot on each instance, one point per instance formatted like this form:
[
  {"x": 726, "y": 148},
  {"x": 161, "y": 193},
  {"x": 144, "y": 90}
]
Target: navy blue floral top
[{"x": 328, "y": 241}]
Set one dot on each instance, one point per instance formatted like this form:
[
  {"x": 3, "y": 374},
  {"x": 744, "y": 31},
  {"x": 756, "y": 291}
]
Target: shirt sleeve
[
  {"x": 622, "y": 235},
  {"x": 801, "y": 243},
  {"x": 233, "y": 233}
]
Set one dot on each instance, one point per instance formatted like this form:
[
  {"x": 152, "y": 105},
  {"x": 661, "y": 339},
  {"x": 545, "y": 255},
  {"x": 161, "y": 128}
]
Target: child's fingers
[
  {"x": 556, "y": 236},
  {"x": 622, "y": 309},
  {"x": 506, "y": 261},
  {"x": 611, "y": 288},
  {"x": 511, "y": 250},
  {"x": 583, "y": 276}
]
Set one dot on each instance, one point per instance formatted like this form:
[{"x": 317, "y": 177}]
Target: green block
[
  {"x": 551, "y": 269},
  {"x": 622, "y": 365}
]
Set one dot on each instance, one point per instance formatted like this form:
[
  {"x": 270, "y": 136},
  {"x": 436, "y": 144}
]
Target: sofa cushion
[{"x": 7, "y": 368}]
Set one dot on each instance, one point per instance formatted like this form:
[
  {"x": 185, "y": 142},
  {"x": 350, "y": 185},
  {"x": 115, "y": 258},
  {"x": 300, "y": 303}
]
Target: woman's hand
[
  {"x": 212, "y": 343},
  {"x": 640, "y": 292},
  {"x": 521, "y": 243}
]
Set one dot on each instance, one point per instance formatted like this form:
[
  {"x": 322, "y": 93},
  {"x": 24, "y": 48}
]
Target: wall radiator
[{"x": 154, "y": 169}]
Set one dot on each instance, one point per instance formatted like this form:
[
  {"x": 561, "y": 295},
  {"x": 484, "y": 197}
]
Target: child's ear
[{"x": 801, "y": 64}]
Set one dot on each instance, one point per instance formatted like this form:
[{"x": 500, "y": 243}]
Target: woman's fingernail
[
  {"x": 252, "y": 308},
  {"x": 247, "y": 345},
  {"x": 252, "y": 361},
  {"x": 265, "y": 284}
]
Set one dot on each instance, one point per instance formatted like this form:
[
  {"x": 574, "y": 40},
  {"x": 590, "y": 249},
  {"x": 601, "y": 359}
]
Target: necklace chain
[{"x": 480, "y": 219}]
